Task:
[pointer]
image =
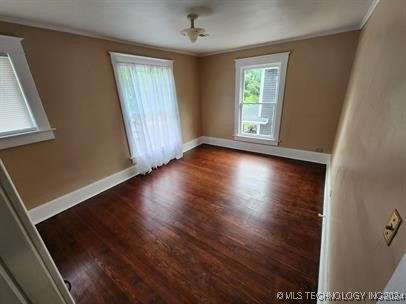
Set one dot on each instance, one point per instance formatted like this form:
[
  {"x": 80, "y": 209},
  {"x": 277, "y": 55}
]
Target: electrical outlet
[{"x": 392, "y": 227}]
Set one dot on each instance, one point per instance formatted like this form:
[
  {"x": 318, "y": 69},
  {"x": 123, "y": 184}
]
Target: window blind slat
[{"x": 14, "y": 112}]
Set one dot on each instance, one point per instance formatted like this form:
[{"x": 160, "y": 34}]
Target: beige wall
[
  {"x": 75, "y": 80},
  {"x": 317, "y": 78},
  {"x": 369, "y": 166}
]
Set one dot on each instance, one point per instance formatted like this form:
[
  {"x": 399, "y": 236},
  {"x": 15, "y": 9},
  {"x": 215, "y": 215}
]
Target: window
[
  {"x": 260, "y": 84},
  {"x": 22, "y": 117},
  {"x": 147, "y": 93}
]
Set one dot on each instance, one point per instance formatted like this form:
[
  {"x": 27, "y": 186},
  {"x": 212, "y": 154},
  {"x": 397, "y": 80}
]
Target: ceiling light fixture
[{"x": 193, "y": 32}]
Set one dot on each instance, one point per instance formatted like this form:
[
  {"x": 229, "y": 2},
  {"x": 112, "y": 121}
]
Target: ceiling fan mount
[
  {"x": 193, "y": 32},
  {"x": 192, "y": 18}
]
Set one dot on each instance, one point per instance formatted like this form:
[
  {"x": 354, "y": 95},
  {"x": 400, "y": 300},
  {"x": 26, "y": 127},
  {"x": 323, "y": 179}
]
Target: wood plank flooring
[{"x": 218, "y": 226}]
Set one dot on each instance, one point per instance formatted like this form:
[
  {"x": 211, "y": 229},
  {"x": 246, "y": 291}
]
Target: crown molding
[
  {"x": 270, "y": 43},
  {"x": 369, "y": 13},
  {"x": 364, "y": 20},
  {"x": 66, "y": 29}
]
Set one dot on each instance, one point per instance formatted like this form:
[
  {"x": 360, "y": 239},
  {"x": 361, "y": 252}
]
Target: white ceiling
[{"x": 230, "y": 23}]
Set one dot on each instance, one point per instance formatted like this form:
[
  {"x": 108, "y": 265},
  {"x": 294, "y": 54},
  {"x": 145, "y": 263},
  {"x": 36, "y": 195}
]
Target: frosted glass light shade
[{"x": 193, "y": 33}]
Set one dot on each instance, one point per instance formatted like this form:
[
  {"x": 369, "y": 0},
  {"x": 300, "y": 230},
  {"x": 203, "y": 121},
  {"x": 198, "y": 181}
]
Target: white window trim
[
  {"x": 121, "y": 57},
  {"x": 13, "y": 48},
  {"x": 279, "y": 59}
]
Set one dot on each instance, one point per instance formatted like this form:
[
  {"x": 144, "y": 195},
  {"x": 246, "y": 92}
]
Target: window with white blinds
[
  {"x": 22, "y": 116},
  {"x": 15, "y": 114},
  {"x": 260, "y": 83}
]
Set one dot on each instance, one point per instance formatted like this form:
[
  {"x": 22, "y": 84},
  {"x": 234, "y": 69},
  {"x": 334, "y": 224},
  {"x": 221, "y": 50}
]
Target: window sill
[
  {"x": 15, "y": 140},
  {"x": 256, "y": 140}
]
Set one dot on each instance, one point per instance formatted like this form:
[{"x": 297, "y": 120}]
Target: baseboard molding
[
  {"x": 71, "y": 199},
  {"x": 325, "y": 235},
  {"x": 192, "y": 144},
  {"x": 322, "y": 158},
  {"x": 315, "y": 157}
]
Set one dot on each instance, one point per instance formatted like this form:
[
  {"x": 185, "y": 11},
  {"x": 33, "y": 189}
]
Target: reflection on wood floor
[{"x": 218, "y": 226}]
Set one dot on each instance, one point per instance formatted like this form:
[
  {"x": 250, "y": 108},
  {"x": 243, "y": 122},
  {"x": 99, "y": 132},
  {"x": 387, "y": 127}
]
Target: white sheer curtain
[{"x": 150, "y": 111}]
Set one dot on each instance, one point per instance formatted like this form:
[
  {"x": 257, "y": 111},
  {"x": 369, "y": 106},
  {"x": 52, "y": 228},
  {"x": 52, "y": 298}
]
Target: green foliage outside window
[{"x": 252, "y": 85}]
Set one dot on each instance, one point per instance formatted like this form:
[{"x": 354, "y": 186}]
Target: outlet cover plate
[{"x": 392, "y": 227}]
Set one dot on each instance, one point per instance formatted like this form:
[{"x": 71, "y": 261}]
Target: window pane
[
  {"x": 270, "y": 85},
  {"x": 268, "y": 114},
  {"x": 14, "y": 112},
  {"x": 261, "y": 85},
  {"x": 252, "y": 85},
  {"x": 258, "y": 119},
  {"x": 260, "y": 98},
  {"x": 249, "y": 128}
]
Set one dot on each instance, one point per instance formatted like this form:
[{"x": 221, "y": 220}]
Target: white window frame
[
  {"x": 280, "y": 60},
  {"x": 42, "y": 131}
]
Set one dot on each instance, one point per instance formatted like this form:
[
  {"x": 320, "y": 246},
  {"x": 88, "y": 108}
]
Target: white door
[{"x": 27, "y": 271}]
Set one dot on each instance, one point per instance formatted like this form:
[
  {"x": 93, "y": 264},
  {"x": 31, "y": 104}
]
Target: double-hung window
[
  {"x": 260, "y": 84},
  {"x": 22, "y": 117}
]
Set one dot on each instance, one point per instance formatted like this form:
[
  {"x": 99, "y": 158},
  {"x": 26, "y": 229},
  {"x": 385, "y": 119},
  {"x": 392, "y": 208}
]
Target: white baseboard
[
  {"x": 315, "y": 157},
  {"x": 325, "y": 236},
  {"x": 71, "y": 199},
  {"x": 192, "y": 144}
]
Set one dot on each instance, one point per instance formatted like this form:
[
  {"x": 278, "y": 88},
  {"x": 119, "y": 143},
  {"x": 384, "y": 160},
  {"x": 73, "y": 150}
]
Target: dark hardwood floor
[{"x": 218, "y": 226}]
